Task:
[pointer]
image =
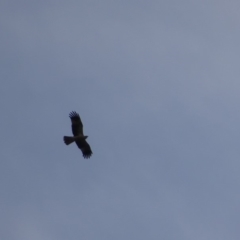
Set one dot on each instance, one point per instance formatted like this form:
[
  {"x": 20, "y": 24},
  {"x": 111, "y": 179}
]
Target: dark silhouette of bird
[{"x": 78, "y": 136}]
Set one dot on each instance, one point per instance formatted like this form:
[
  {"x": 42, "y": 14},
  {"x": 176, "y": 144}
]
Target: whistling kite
[{"x": 79, "y": 138}]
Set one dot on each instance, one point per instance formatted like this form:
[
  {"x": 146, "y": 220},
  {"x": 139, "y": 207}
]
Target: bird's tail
[{"x": 68, "y": 140}]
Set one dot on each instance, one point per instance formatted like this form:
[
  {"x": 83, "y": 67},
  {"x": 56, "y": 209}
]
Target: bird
[{"x": 78, "y": 136}]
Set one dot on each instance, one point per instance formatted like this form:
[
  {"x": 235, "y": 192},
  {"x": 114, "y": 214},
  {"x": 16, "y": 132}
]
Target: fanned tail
[{"x": 68, "y": 140}]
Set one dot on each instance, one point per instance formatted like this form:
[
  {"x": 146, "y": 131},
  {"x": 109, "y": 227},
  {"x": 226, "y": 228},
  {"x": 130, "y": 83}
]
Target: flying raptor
[{"x": 78, "y": 136}]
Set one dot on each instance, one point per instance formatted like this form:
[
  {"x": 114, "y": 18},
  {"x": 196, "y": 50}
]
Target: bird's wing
[
  {"x": 77, "y": 126},
  {"x": 85, "y": 148}
]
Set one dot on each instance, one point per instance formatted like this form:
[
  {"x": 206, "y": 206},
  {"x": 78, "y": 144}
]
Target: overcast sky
[{"x": 156, "y": 84}]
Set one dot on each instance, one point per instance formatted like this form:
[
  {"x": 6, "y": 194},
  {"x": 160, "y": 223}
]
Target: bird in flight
[{"x": 78, "y": 136}]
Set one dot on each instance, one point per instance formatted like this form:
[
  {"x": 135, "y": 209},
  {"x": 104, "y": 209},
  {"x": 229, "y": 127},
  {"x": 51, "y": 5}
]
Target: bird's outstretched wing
[
  {"x": 77, "y": 126},
  {"x": 85, "y": 148}
]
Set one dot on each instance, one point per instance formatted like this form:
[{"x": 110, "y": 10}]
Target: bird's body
[{"x": 78, "y": 136}]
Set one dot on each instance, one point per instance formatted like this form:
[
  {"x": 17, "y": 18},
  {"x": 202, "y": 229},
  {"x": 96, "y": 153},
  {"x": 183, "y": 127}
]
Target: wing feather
[
  {"x": 85, "y": 148},
  {"x": 77, "y": 126}
]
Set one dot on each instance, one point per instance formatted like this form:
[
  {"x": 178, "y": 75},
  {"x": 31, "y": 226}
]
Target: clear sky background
[{"x": 156, "y": 84}]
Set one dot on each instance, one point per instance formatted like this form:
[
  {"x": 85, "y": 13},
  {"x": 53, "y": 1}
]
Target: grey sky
[{"x": 157, "y": 86}]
